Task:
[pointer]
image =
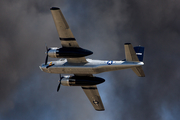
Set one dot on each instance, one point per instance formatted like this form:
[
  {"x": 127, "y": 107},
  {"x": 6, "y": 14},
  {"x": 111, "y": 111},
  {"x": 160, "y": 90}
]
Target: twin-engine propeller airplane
[{"x": 73, "y": 61}]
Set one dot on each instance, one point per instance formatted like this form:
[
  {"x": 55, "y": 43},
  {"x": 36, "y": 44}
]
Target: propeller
[
  {"x": 59, "y": 82},
  {"x": 46, "y": 60}
]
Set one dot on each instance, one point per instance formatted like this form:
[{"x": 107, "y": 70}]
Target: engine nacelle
[
  {"x": 70, "y": 52},
  {"x": 81, "y": 81},
  {"x": 52, "y": 52}
]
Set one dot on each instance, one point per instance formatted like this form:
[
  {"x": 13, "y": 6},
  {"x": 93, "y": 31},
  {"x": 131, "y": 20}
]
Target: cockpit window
[{"x": 62, "y": 59}]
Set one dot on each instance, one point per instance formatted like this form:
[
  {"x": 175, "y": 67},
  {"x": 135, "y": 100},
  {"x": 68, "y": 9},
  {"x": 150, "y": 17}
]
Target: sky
[{"x": 103, "y": 27}]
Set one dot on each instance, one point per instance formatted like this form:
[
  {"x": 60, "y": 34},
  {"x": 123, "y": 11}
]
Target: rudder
[{"x": 139, "y": 52}]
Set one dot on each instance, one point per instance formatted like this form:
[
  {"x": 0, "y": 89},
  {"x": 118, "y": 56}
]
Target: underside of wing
[
  {"x": 94, "y": 97},
  {"x": 77, "y": 60},
  {"x": 65, "y": 34}
]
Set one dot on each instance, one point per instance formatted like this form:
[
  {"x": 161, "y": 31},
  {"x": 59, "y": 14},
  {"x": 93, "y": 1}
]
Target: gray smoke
[{"x": 102, "y": 26}]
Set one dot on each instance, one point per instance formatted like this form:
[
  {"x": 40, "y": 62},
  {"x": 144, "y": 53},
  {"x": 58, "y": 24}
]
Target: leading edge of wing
[{"x": 94, "y": 97}]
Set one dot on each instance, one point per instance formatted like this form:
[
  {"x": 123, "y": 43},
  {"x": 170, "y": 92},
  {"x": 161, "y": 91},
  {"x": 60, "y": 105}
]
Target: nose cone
[
  {"x": 43, "y": 68},
  {"x": 40, "y": 68}
]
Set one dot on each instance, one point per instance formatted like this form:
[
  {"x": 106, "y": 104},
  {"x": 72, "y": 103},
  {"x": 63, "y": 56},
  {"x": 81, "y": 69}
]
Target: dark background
[{"x": 102, "y": 26}]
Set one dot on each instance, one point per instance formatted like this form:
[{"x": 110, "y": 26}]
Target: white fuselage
[{"x": 91, "y": 67}]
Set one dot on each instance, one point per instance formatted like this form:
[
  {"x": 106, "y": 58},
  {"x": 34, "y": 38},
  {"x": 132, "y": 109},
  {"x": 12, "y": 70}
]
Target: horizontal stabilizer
[{"x": 139, "y": 71}]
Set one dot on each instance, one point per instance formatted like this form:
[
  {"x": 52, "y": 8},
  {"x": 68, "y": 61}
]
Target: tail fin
[
  {"x": 130, "y": 53},
  {"x": 135, "y": 54}
]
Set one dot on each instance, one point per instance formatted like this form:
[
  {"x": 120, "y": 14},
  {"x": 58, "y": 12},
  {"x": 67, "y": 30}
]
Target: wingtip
[
  {"x": 54, "y": 8},
  {"x": 100, "y": 109},
  {"x": 127, "y": 43}
]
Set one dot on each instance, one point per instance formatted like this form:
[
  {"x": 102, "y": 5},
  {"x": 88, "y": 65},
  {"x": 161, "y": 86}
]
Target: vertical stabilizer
[{"x": 130, "y": 53}]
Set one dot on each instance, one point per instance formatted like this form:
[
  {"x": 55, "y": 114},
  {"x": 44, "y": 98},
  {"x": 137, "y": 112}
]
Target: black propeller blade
[
  {"x": 58, "y": 86},
  {"x": 59, "y": 83},
  {"x": 46, "y": 60}
]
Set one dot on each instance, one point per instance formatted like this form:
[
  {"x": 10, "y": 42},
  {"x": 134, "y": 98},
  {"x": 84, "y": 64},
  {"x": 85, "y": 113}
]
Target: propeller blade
[
  {"x": 59, "y": 83},
  {"x": 60, "y": 76},
  {"x": 58, "y": 86},
  {"x": 46, "y": 60},
  {"x": 47, "y": 49}
]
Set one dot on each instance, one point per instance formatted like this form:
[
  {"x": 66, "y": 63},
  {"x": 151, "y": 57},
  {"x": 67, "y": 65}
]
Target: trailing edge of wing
[{"x": 94, "y": 97}]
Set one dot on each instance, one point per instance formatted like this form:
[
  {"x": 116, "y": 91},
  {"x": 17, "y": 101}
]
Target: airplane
[{"x": 79, "y": 69}]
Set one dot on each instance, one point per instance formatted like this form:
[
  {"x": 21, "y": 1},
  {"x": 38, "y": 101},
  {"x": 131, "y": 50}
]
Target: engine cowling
[
  {"x": 81, "y": 80},
  {"x": 52, "y": 52},
  {"x": 70, "y": 52}
]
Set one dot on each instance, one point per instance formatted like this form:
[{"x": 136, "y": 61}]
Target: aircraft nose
[
  {"x": 40, "y": 68},
  {"x": 43, "y": 68}
]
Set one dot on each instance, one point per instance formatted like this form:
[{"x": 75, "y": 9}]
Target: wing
[
  {"x": 65, "y": 35},
  {"x": 94, "y": 97}
]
